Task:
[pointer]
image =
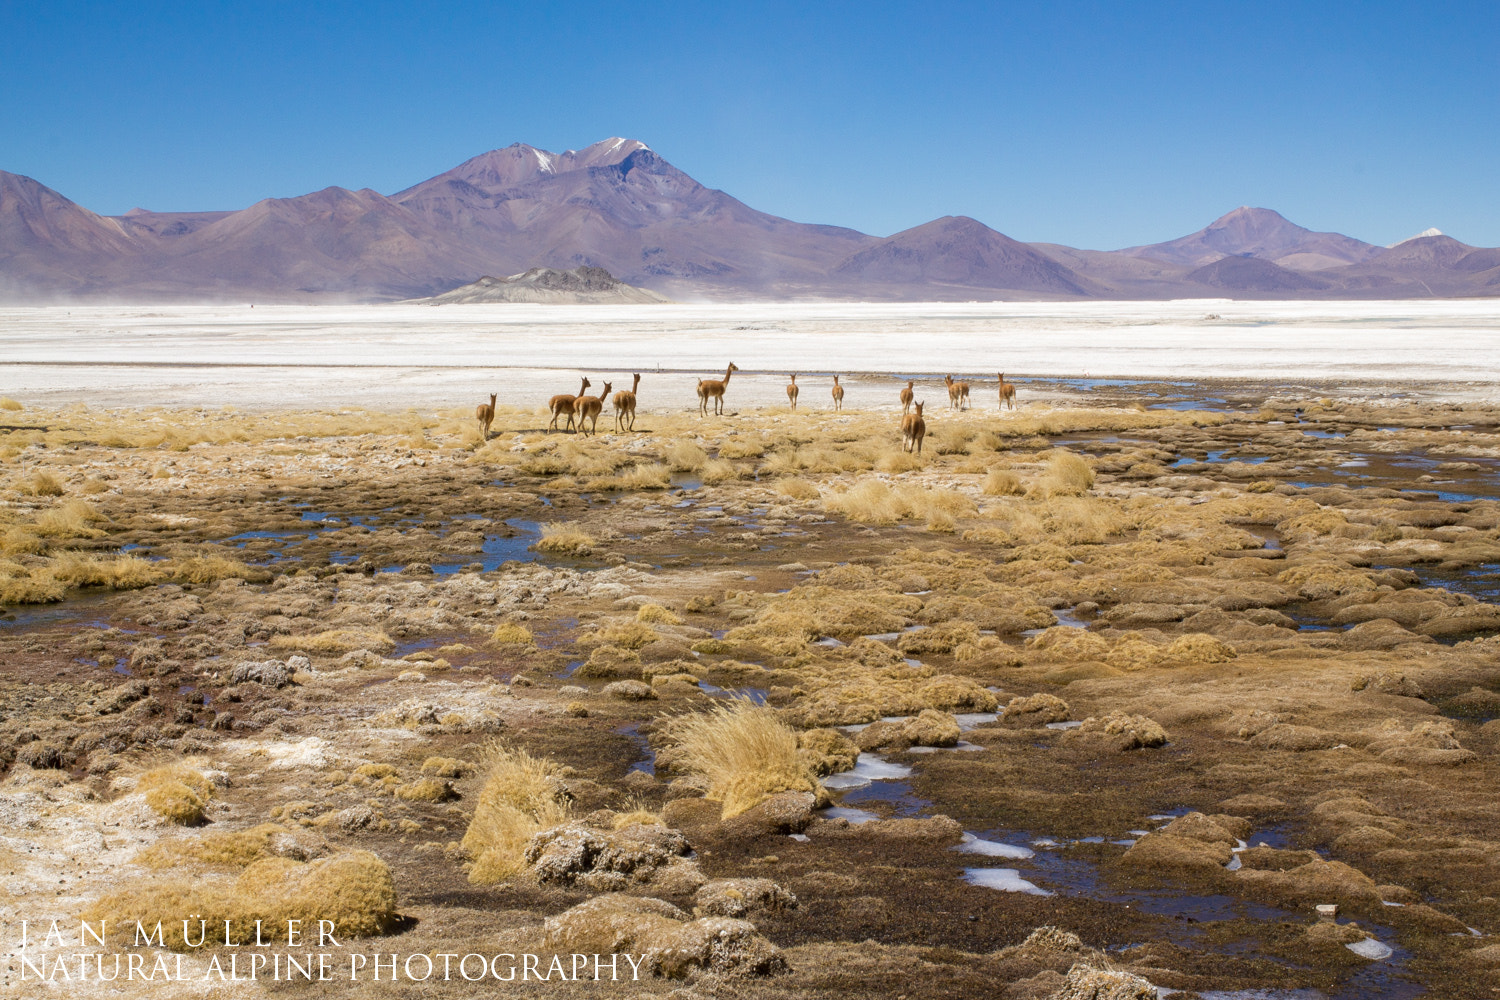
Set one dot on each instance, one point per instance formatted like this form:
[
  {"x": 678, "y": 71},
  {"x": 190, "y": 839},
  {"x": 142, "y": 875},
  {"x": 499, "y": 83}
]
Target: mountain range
[{"x": 619, "y": 206}]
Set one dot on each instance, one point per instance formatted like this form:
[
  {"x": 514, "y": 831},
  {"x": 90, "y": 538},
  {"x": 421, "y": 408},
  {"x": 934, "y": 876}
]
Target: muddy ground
[{"x": 1238, "y": 661}]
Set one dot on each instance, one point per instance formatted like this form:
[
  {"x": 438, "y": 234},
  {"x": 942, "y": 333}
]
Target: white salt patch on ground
[
  {"x": 868, "y": 767},
  {"x": 1371, "y": 949},
  {"x": 848, "y": 813},
  {"x": 993, "y": 848},
  {"x": 1064, "y": 725},
  {"x": 399, "y": 355},
  {"x": 1004, "y": 879}
]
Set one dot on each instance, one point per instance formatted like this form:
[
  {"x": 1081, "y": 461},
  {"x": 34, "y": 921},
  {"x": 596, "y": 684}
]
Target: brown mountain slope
[
  {"x": 959, "y": 254},
  {"x": 1261, "y": 233}
]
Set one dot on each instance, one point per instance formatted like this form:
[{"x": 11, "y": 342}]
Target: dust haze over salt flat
[{"x": 406, "y": 355}]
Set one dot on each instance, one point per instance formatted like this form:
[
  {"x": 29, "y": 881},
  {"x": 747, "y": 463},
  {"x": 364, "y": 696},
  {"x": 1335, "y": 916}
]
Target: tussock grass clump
[
  {"x": 744, "y": 750},
  {"x": 426, "y": 790},
  {"x": 1066, "y": 474},
  {"x": 43, "y": 484},
  {"x": 1001, "y": 483},
  {"x": 565, "y": 539},
  {"x": 354, "y": 890},
  {"x": 73, "y": 519},
  {"x": 873, "y": 502},
  {"x": 214, "y": 849},
  {"x": 511, "y": 634},
  {"x": 896, "y": 461},
  {"x": 211, "y": 568},
  {"x": 337, "y": 640},
  {"x": 686, "y": 456},
  {"x": 719, "y": 470},
  {"x": 655, "y": 614},
  {"x": 18, "y": 541},
  {"x": 798, "y": 489},
  {"x": 447, "y": 767},
  {"x": 19, "y": 585},
  {"x": 113, "y": 572},
  {"x": 644, "y": 476},
  {"x": 6, "y": 403},
  {"x": 177, "y": 793},
  {"x": 741, "y": 447},
  {"x": 522, "y": 796},
  {"x": 629, "y": 634}
]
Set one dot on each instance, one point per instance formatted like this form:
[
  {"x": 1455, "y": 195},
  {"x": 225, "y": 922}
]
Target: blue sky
[{"x": 1093, "y": 124}]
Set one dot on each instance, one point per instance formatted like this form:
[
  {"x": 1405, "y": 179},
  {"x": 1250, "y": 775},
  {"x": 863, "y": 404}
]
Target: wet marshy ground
[{"x": 1236, "y": 662}]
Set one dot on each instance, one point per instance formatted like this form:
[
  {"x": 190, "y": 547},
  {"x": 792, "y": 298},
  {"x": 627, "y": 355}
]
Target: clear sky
[{"x": 1093, "y": 124}]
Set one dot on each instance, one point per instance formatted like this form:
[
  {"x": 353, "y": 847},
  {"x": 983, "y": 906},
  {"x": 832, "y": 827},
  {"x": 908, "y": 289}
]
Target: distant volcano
[{"x": 620, "y": 207}]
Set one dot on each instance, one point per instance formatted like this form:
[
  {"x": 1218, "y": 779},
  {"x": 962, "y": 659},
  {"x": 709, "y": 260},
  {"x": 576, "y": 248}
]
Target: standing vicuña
[
  {"x": 485, "y": 414},
  {"x": 1007, "y": 393},
  {"x": 589, "y": 408},
  {"x": 913, "y": 430},
  {"x": 791, "y": 391},
  {"x": 838, "y": 394},
  {"x": 625, "y": 405},
  {"x": 907, "y": 395},
  {"x": 958, "y": 392},
  {"x": 714, "y": 389},
  {"x": 565, "y": 404}
]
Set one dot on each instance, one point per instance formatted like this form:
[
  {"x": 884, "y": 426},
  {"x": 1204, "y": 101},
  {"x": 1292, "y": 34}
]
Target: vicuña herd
[{"x": 583, "y": 411}]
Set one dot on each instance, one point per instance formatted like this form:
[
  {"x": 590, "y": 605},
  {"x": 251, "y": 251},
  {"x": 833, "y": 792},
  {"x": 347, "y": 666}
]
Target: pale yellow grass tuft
[
  {"x": 565, "y": 539},
  {"x": 744, "y": 750},
  {"x": 686, "y": 456},
  {"x": 6, "y": 403},
  {"x": 177, "y": 793},
  {"x": 873, "y": 502},
  {"x": 355, "y": 890},
  {"x": 646, "y": 476},
  {"x": 798, "y": 489},
  {"x": 521, "y": 797},
  {"x": 511, "y": 634},
  {"x": 655, "y": 614},
  {"x": 1001, "y": 483},
  {"x": 43, "y": 484},
  {"x": 338, "y": 640},
  {"x": 1066, "y": 474},
  {"x": 113, "y": 572}
]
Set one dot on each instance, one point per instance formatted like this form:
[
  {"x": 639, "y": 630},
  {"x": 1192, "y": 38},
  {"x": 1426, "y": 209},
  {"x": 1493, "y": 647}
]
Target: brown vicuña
[
  {"x": 1007, "y": 393},
  {"x": 907, "y": 395},
  {"x": 565, "y": 405},
  {"x": 838, "y": 394},
  {"x": 589, "y": 408},
  {"x": 913, "y": 430},
  {"x": 485, "y": 414},
  {"x": 791, "y": 391},
  {"x": 625, "y": 405},
  {"x": 714, "y": 389},
  {"x": 958, "y": 392}
]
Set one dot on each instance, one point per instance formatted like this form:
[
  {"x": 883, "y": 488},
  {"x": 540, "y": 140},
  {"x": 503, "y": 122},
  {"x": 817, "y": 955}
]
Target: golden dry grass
[
  {"x": 522, "y": 796},
  {"x": 214, "y": 849},
  {"x": 562, "y": 538},
  {"x": 744, "y": 750},
  {"x": 798, "y": 489},
  {"x": 685, "y": 456},
  {"x": 1065, "y": 474},
  {"x": 511, "y": 634},
  {"x": 641, "y": 476},
  {"x": 6, "y": 403},
  {"x": 114, "y": 572},
  {"x": 354, "y": 890},
  {"x": 177, "y": 793},
  {"x": 1001, "y": 483},
  {"x": 334, "y": 641},
  {"x": 43, "y": 484},
  {"x": 872, "y": 501},
  {"x": 655, "y": 614}
]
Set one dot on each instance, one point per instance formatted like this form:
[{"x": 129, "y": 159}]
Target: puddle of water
[
  {"x": 498, "y": 550},
  {"x": 1064, "y": 725},
  {"x": 756, "y": 695},
  {"x": 845, "y": 812},
  {"x": 971, "y": 720},
  {"x": 643, "y": 747},
  {"x": 962, "y": 745}
]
